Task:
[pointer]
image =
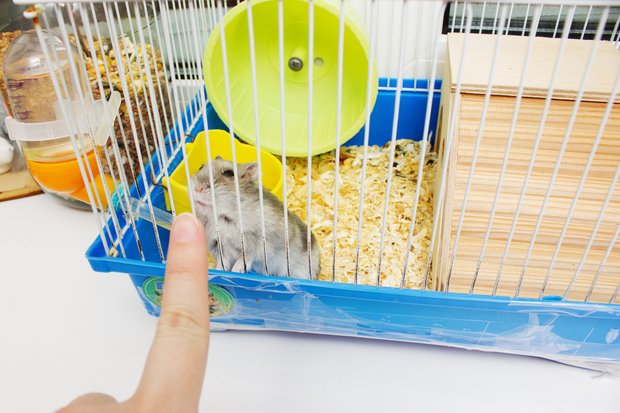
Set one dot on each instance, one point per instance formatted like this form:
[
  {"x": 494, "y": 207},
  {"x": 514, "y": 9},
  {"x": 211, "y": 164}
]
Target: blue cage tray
[{"x": 583, "y": 334}]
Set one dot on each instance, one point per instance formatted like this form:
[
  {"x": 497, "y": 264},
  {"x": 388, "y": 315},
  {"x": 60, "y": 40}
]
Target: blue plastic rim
[{"x": 583, "y": 334}]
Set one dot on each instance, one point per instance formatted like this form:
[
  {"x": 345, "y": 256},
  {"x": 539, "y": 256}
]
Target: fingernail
[{"x": 184, "y": 228}]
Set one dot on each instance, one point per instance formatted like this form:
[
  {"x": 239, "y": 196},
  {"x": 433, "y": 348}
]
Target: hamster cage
[{"x": 458, "y": 161}]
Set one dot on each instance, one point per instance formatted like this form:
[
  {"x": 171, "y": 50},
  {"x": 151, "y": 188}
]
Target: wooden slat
[
  {"x": 479, "y": 55},
  {"x": 482, "y": 193},
  {"x": 17, "y": 185}
]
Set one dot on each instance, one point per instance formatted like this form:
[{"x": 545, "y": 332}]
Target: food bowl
[{"x": 219, "y": 144}]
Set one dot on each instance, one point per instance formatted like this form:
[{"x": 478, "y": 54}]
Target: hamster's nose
[{"x": 199, "y": 188}]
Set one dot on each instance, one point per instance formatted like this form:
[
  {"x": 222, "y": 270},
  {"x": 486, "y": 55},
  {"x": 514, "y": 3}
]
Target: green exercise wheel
[{"x": 356, "y": 55}]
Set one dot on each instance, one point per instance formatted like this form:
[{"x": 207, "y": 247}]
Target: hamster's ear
[
  {"x": 250, "y": 170},
  {"x": 218, "y": 157}
]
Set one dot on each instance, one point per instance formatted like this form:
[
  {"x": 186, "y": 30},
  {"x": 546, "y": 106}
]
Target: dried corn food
[
  {"x": 6, "y": 38},
  {"x": 136, "y": 72}
]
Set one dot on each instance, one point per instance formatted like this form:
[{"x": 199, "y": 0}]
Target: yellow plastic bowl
[
  {"x": 219, "y": 143},
  {"x": 325, "y": 75}
]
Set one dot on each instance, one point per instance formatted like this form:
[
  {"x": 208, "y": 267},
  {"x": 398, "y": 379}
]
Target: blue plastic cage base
[{"x": 580, "y": 334}]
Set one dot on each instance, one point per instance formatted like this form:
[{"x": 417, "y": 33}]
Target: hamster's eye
[{"x": 228, "y": 173}]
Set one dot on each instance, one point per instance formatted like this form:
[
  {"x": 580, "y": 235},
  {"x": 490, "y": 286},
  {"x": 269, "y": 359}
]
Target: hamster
[{"x": 228, "y": 224}]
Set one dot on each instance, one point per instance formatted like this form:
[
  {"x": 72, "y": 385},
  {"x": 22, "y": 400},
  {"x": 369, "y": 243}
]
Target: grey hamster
[{"x": 228, "y": 223}]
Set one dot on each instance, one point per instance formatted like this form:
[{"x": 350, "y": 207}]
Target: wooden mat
[{"x": 581, "y": 226}]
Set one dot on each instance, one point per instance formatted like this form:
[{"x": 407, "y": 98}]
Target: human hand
[{"x": 175, "y": 368}]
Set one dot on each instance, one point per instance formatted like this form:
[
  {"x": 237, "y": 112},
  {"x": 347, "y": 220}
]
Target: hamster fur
[{"x": 228, "y": 224}]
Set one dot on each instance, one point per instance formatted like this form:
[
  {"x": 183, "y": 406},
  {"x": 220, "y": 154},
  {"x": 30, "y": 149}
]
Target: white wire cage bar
[
  {"x": 520, "y": 15},
  {"x": 151, "y": 54},
  {"x": 477, "y": 204}
]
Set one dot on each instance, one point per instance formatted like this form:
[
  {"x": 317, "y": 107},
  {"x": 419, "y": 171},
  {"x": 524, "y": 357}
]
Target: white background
[{"x": 66, "y": 330}]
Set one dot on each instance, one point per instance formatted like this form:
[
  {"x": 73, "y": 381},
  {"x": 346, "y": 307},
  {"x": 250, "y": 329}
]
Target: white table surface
[{"x": 66, "y": 330}]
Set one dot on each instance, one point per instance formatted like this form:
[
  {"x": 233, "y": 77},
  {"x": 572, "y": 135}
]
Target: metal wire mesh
[{"x": 151, "y": 53}]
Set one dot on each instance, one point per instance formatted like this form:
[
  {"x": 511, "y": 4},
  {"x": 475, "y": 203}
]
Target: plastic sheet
[{"x": 585, "y": 335}]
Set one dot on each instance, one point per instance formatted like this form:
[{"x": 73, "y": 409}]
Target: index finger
[{"x": 175, "y": 367}]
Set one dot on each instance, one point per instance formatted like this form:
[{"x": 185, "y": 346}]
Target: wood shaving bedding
[
  {"x": 403, "y": 186},
  {"x": 402, "y": 191}
]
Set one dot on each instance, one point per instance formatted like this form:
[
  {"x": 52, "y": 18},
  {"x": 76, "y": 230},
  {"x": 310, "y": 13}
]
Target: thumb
[{"x": 175, "y": 367}]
